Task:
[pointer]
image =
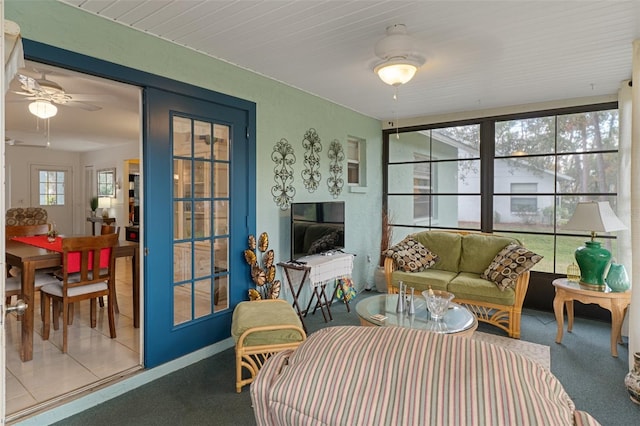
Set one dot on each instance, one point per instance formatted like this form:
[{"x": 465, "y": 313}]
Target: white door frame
[{"x": 3, "y": 391}]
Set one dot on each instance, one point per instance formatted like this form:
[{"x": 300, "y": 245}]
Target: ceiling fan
[
  {"x": 16, "y": 142},
  {"x": 48, "y": 91}
]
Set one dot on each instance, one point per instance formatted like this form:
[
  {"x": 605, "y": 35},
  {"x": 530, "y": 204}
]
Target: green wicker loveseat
[{"x": 462, "y": 257}]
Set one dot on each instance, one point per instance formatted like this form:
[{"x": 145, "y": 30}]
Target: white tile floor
[{"x": 92, "y": 354}]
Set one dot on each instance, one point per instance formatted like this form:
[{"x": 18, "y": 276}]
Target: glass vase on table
[
  {"x": 437, "y": 303},
  {"x": 53, "y": 233}
]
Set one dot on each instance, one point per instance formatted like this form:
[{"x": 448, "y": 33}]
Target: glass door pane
[{"x": 200, "y": 249}]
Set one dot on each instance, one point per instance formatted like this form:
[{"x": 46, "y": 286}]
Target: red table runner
[{"x": 42, "y": 241}]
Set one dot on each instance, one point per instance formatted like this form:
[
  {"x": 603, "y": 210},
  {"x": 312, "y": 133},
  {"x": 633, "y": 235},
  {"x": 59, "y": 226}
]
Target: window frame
[
  {"x": 519, "y": 196},
  {"x": 431, "y": 175},
  {"x": 51, "y": 185},
  {"x": 487, "y": 158},
  {"x": 359, "y": 162},
  {"x": 106, "y": 182}
]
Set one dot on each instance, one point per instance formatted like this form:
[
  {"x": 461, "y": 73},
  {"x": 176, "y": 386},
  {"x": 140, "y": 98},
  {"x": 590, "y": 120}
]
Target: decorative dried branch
[{"x": 386, "y": 235}]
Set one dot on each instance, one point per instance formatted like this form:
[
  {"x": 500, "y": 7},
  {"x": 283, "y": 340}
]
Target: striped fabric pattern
[{"x": 431, "y": 379}]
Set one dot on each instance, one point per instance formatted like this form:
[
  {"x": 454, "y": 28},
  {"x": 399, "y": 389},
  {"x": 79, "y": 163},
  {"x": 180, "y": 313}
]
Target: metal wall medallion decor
[
  {"x": 283, "y": 191},
  {"x": 336, "y": 156},
  {"x": 311, "y": 174}
]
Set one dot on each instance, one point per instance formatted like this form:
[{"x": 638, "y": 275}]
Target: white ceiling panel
[{"x": 480, "y": 54}]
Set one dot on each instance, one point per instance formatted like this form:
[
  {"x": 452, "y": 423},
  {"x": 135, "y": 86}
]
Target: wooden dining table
[{"x": 31, "y": 258}]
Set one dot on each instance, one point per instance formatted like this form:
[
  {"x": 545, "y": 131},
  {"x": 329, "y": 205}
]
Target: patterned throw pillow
[
  {"x": 508, "y": 264},
  {"x": 411, "y": 256},
  {"x": 325, "y": 243}
]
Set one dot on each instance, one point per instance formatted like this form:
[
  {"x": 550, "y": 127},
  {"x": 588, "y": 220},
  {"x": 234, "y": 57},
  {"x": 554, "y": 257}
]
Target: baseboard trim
[{"x": 137, "y": 379}]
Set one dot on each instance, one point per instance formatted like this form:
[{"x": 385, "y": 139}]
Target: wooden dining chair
[
  {"x": 26, "y": 230},
  {"x": 91, "y": 282},
  {"x": 12, "y": 287},
  {"x": 23, "y": 231},
  {"x": 13, "y": 273},
  {"x": 26, "y": 216},
  {"x": 110, "y": 229},
  {"x": 104, "y": 230}
]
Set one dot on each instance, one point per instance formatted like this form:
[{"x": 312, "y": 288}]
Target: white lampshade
[
  {"x": 104, "y": 202},
  {"x": 43, "y": 109},
  {"x": 594, "y": 216},
  {"x": 396, "y": 72}
]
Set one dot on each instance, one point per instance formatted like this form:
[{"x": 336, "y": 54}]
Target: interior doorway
[{"x": 65, "y": 152}]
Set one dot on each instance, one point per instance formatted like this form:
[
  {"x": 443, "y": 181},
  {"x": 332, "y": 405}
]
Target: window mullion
[{"x": 487, "y": 153}]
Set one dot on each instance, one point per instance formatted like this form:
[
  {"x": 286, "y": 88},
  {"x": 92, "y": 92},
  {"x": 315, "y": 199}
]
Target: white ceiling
[
  {"x": 480, "y": 54},
  {"x": 117, "y": 121}
]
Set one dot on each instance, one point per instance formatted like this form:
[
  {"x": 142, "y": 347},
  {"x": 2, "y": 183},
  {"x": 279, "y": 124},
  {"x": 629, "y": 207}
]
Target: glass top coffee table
[{"x": 458, "y": 320}]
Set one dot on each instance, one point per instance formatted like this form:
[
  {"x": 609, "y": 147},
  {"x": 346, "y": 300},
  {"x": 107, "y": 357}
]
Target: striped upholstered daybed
[{"x": 430, "y": 379}]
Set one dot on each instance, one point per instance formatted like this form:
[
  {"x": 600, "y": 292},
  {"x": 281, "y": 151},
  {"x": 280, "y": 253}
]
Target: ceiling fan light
[
  {"x": 395, "y": 73},
  {"x": 43, "y": 109},
  {"x": 400, "y": 60}
]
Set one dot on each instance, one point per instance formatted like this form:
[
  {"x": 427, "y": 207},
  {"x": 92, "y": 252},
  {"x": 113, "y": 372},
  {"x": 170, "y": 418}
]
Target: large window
[
  {"x": 516, "y": 175},
  {"x": 433, "y": 178}
]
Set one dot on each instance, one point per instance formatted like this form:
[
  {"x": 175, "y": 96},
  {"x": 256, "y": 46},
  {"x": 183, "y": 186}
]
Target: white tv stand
[{"x": 318, "y": 270}]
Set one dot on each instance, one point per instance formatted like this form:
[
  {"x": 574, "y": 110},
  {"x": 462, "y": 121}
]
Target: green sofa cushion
[
  {"x": 448, "y": 247},
  {"x": 248, "y": 315},
  {"x": 479, "y": 250},
  {"x": 470, "y": 286},
  {"x": 421, "y": 281}
]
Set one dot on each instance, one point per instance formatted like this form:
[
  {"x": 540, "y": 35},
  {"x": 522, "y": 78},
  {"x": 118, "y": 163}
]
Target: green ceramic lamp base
[{"x": 592, "y": 260}]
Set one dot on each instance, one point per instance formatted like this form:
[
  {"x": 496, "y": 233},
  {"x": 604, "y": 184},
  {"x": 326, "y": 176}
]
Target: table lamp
[
  {"x": 105, "y": 204},
  {"x": 593, "y": 216}
]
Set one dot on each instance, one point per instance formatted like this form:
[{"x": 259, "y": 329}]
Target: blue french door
[{"x": 198, "y": 170}]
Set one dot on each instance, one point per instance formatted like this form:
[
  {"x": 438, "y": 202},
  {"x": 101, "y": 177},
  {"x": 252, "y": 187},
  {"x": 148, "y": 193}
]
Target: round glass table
[{"x": 458, "y": 320}]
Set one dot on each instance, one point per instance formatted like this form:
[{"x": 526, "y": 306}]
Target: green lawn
[{"x": 565, "y": 248}]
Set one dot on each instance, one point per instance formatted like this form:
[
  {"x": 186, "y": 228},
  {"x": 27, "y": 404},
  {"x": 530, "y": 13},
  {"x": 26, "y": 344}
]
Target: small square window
[
  {"x": 51, "y": 188},
  {"x": 524, "y": 204},
  {"x": 356, "y": 161}
]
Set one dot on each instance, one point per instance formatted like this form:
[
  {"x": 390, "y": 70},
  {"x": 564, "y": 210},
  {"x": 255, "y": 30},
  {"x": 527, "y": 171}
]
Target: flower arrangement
[
  {"x": 263, "y": 277},
  {"x": 52, "y": 234}
]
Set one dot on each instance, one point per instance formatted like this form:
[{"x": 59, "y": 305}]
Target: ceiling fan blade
[
  {"x": 91, "y": 98},
  {"x": 16, "y": 142},
  {"x": 82, "y": 105},
  {"x": 23, "y": 93},
  {"x": 29, "y": 99}
]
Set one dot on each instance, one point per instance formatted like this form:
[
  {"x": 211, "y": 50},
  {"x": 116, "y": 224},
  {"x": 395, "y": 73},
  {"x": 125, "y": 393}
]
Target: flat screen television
[{"x": 316, "y": 228}]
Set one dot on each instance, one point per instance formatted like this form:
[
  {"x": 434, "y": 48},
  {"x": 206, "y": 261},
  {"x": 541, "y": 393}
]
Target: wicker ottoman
[{"x": 260, "y": 329}]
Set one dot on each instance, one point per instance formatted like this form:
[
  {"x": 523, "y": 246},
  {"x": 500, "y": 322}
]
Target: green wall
[{"x": 282, "y": 112}]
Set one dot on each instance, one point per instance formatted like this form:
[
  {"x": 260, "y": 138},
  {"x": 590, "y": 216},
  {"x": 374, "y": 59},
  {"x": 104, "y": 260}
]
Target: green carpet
[{"x": 204, "y": 393}]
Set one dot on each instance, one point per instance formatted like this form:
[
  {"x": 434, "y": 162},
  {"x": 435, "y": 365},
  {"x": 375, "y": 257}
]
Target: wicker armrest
[
  {"x": 389, "y": 267},
  {"x": 263, "y": 328},
  {"x": 522, "y": 284}
]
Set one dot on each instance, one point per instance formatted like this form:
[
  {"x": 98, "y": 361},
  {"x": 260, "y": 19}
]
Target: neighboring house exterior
[{"x": 448, "y": 195}]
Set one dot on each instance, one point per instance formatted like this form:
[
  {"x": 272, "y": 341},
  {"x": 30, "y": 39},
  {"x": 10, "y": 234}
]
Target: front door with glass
[{"x": 198, "y": 173}]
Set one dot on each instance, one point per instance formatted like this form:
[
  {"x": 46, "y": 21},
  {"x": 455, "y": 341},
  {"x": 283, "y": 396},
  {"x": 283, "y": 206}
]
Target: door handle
[{"x": 19, "y": 307}]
